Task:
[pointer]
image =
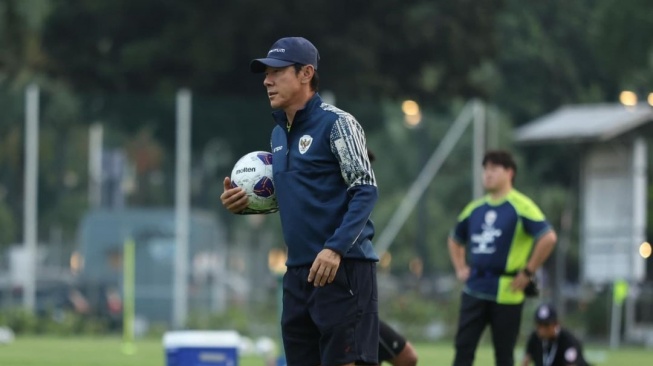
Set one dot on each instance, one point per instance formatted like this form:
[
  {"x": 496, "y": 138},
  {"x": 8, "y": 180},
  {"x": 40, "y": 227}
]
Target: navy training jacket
[{"x": 324, "y": 183}]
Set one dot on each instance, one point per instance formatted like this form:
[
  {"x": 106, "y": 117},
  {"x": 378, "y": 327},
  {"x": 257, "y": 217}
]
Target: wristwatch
[{"x": 527, "y": 272}]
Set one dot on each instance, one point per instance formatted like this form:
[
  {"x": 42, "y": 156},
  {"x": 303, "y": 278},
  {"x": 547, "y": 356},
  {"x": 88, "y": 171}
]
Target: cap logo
[
  {"x": 280, "y": 50},
  {"x": 543, "y": 313}
]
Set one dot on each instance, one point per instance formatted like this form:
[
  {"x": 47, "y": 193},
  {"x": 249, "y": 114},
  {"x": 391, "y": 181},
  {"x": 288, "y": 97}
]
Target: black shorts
[
  {"x": 391, "y": 343},
  {"x": 340, "y": 319}
]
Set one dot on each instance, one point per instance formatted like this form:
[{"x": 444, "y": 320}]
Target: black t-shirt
[{"x": 564, "y": 350}]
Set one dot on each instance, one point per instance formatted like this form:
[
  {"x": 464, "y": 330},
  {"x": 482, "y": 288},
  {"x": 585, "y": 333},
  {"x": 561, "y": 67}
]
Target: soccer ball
[{"x": 253, "y": 173}]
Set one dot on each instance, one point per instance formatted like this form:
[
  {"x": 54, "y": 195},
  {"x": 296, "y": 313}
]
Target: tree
[
  {"x": 546, "y": 58},
  {"x": 370, "y": 49},
  {"x": 621, "y": 39}
]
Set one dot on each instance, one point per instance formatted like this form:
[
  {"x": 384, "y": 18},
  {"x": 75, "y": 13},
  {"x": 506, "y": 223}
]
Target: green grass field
[{"x": 77, "y": 351}]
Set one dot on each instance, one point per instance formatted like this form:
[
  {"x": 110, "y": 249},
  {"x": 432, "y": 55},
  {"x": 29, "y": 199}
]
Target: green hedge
[{"x": 22, "y": 321}]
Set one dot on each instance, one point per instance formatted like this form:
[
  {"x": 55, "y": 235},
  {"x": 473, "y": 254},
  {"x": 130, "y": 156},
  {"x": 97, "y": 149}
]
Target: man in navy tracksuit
[{"x": 326, "y": 191}]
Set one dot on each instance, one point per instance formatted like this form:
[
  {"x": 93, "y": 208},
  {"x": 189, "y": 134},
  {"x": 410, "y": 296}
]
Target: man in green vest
[{"x": 506, "y": 238}]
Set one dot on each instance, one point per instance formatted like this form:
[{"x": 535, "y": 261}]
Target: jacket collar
[{"x": 301, "y": 115}]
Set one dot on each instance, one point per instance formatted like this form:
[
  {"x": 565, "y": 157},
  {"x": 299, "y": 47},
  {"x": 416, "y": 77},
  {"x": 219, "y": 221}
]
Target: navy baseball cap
[
  {"x": 285, "y": 52},
  {"x": 546, "y": 314}
]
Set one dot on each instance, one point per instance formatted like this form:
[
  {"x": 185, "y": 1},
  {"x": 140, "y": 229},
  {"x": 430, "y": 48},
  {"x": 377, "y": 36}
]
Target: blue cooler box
[{"x": 201, "y": 348}]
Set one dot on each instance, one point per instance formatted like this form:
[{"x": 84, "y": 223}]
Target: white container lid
[{"x": 201, "y": 338}]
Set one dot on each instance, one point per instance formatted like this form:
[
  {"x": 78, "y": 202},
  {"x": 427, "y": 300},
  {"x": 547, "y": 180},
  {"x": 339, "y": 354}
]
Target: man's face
[
  {"x": 496, "y": 177},
  {"x": 283, "y": 86},
  {"x": 546, "y": 331}
]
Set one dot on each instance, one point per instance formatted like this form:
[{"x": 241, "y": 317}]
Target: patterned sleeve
[{"x": 349, "y": 146}]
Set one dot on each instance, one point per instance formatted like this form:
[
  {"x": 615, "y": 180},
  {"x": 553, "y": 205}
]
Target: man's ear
[
  {"x": 307, "y": 73},
  {"x": 512, "y": 174}
]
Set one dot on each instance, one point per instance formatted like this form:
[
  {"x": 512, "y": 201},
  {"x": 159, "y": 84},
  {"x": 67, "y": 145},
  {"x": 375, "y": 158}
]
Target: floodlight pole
[
  {"x": 566, "y": 225},
  {"x": 478, "y": 148},
  {"x": 129, "y": 295},
  {"x": 639, "y": 200},
  {"x": 182, "y": 209},
  {"x": 30, "y": 223},
  {"x": 95, "y": 137}
]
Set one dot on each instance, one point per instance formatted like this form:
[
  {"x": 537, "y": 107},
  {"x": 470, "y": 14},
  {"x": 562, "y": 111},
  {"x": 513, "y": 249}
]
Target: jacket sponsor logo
[
  {"x": 304, "y": 143},
  {"x": 278, "y": 148}
]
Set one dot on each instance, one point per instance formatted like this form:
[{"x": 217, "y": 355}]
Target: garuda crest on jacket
[{"x": 304, "y": 143}]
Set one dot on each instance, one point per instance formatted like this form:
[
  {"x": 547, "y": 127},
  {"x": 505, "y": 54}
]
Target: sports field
[{"x": 107, "y": 352}]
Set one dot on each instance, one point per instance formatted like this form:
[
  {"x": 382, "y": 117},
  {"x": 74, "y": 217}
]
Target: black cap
[{"x": 546, "y": 314}]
